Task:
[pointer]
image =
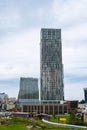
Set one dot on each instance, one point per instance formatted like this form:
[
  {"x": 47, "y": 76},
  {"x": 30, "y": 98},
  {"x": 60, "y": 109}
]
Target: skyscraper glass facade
[
  {"x": 85, "y": 94},
  {"x": 51, "y": 67},
  {"x": 29, "y": 92}
]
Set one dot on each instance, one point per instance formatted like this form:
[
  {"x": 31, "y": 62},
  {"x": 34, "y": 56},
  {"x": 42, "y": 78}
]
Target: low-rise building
[
  {"x": 51, "y": 109},
  {"x": 72, "y": 104},
  {"x": 82, "y": 108}
]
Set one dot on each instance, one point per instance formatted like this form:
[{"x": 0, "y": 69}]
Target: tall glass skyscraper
[
  {"x": 51, "y": 67},
  {"x": 29, "y": 91},
  {"x": 85, "y": 94}
]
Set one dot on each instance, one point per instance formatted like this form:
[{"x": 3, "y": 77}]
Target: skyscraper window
[{"x": 51, "y": 65}]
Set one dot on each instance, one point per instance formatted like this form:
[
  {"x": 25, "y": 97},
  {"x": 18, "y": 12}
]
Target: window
[
  {"x": 49, "y": 32},
  {"x": 53, "y": 32}
]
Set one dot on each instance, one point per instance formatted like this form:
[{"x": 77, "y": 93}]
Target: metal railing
[{"x": 64, "y": 125}]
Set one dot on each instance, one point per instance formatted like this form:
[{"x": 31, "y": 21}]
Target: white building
[{"x": 82, "y": 107}]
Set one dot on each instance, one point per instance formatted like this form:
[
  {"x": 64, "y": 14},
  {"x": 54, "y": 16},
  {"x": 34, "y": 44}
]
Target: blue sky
[{"x": 20, "y": 25}]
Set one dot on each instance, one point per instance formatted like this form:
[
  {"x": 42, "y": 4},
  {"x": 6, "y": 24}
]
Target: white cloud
[
  {"x": 20, "y": 54},
  {"x": 69, "y": 10},
  {"x": 75, "y": 35},
  {"x": 9, "y": 89},
  {"x": 74, "y": 59},
  {"x": 74, "y": 91},
  {"x": 9, "y": 16},
  {"x": 20, "y": 47}
]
